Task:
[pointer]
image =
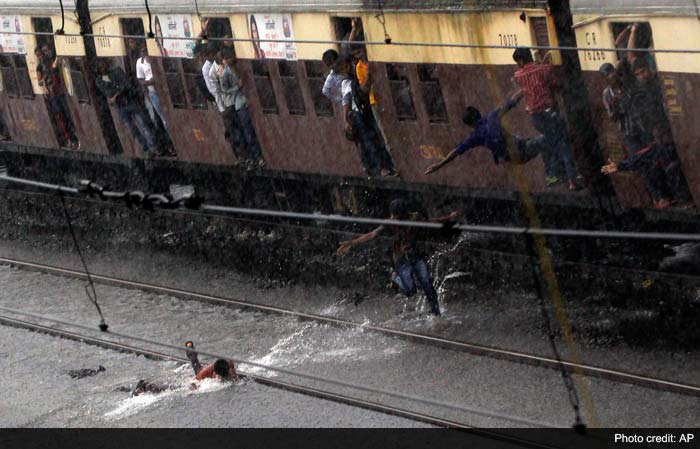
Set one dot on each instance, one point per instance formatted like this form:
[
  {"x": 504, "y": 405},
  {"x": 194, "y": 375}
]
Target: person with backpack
[{"x": 360, "y": 124}]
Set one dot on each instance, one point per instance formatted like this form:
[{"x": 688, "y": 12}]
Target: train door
[
  {"x": 25, "y": 114},
  {"x": 648, "y": 113},
  {"x": 59, "y": 77}
]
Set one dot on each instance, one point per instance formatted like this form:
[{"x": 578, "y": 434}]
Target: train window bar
[{"x": 292, "y": 89}]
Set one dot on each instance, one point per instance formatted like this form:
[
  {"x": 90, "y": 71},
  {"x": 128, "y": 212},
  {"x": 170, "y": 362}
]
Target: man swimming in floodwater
[
  {"x": 222, "y": 369},
  {"x": 408, "y": 262}
]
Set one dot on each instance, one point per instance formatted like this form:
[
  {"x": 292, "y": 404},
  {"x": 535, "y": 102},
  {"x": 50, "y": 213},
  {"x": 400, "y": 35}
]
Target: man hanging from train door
[
  {"x": 49, "y": 75},
  {"x": 360, "y": 125},
  {"x": 538, "y": 83},
  {"x": 409, "y": 264}
]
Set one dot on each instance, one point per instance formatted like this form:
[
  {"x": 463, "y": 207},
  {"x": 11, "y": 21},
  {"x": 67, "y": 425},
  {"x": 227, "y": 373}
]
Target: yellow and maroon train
[{"x": 421, "y": 90}]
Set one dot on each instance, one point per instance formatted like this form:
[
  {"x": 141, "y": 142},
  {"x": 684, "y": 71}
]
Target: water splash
[{"x": 320, "y": 343}]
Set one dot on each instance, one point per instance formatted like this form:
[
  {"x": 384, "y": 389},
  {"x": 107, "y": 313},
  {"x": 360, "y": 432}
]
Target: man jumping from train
[
  {"x": 489, "y": 132},
  {"x": 408, "y": 262}
]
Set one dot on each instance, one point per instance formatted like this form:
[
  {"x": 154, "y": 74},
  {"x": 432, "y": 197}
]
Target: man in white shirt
[
  {"x": 333, "y": 85},
  {"x": 144, "y": 73},
  {"x": 360, "y": 124},
  {"x": 209, "y": 54},
  {"x": 228, "y": 115}
]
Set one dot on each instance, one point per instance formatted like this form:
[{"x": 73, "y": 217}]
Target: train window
[
  {"x": 291, "y": 87},
  {"x": 621, "y": 32},
  {"x": 24, "y": 83},
  {"x": 401, "y": 92},
  {"x": 43, "y": 25},
  {"x": 540, "y": 33},
  {"x": 132, "y": 27},
  {"x": 219, "y": 27},
  {"x": 191, "y": 71},
  {"x": 173, "y": 78},
  {"x": 9, "y": 82},
  {"x": 77, "y": 75},
  {"x": 431, "y": 92},
  {"x": 316, "y": 79},
  {"x": 263, "y": 85}
]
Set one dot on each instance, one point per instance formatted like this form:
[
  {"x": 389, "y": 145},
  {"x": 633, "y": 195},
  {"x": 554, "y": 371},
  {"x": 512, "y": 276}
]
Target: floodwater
[{"x": 38, "y": 391}]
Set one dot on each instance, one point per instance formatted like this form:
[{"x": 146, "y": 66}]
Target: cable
[
  {"x": 379, "y": 43},
  {"x": 61, "y": 32},
  {"x": 277, "y": 224},
  {"x": 303, "y": 375},
  {"x": 579, "y": 425},
  {"x": 90, "y": 288},
  {"x": 450, "y": 227},
  {"x": 381, "y": 18},
  {"x": 150, "y": 34}
]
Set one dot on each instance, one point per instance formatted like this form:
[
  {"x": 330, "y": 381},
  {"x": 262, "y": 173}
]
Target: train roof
[
  {"x": 624, "y": 7},
  {"x": 599, "y": 7},
  {"x": 283, "y": 6}
]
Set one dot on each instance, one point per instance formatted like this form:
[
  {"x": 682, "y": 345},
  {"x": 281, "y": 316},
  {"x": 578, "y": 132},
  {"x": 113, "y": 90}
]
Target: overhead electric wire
[
  {"x": 404, "y": 223},
  {"x": 300, "y": 374},
  {"x": 372, "y": 43},
  {"x": 590, "y": 265}
]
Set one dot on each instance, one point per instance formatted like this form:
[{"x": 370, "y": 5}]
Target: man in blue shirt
[{"x": 490, "y": 133}]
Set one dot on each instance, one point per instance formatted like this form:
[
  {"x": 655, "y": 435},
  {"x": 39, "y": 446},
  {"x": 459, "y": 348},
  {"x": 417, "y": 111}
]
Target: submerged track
[
  {"x": 468, "y": 347},
  {"x": 309, "y": 391}
]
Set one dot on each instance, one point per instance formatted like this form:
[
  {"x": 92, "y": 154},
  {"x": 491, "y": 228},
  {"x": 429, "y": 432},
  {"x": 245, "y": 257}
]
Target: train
[{"x": 421, "y": 90}]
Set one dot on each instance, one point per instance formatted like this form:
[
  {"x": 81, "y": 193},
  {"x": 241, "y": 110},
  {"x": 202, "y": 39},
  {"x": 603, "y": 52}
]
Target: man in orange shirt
[
  {"x": 359, "y": 53},
  {"x": 224, "y": 370},
  {"x": 221, "y": 369}
]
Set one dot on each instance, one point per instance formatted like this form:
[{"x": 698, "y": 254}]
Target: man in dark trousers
[
  {"x": 360, "y": 123},
  {"x": 116, "y": 86},
  {"x": 409, "y": 264},
  {"x": 538, "y": 83},
  {"x": 489, "y": 132}
]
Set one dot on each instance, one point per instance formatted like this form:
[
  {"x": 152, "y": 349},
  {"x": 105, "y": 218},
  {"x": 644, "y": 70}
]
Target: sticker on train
[
  {"x": 275, "y": 27},
  {"x": 10, "y": 42},
  {"x": 172, "y": 33}
]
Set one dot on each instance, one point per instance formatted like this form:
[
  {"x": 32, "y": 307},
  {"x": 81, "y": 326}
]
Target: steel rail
[
  {"x": 405, "y": 223},
  {"x": 278, "y": 384},
  {"x": 456, "y": 345},
  {"x": 300, "y": 374},
  {"x": 371, "y": 43}
]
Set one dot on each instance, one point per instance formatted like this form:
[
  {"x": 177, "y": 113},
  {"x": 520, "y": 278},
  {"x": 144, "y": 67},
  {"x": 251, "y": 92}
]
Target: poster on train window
[
  {"x": 11, "y": 43},
  {"x": 174, "y": 26},
  {"x": 276, "y": 27}
]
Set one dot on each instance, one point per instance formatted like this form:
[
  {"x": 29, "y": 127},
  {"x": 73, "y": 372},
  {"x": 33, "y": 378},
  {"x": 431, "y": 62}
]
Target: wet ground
[{"x": 351, "y": 355}]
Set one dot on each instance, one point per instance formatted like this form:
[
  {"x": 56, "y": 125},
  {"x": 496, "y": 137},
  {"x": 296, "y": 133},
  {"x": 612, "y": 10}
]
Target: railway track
[
  {"x": 287, "y": 386},
  {"x": 462, "y": 346}
]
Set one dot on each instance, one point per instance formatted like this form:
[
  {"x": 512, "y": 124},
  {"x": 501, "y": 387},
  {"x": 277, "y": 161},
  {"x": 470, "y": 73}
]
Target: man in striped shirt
[{"x": 538, "y": 83}]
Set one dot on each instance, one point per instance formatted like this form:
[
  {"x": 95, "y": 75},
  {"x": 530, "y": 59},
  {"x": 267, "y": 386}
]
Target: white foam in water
[
  {"x": 335, "y": 344},
  {"x": 135, "y": 404}
]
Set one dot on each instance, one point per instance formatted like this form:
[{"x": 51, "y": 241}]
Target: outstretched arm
[
  {"x": 449, "y": 217},
  {"x": 610, "y": 168},
  {"x": 345, "y": 247},
  {"x": 449, "y": 158},
  {"x": 632, "y": 43},
  {"x": 512, "y": 102}
]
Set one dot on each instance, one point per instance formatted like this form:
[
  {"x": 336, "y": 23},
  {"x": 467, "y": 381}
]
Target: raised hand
[
  {"x": 610, "y": 168},
  {"x": 344, "y": 248}
]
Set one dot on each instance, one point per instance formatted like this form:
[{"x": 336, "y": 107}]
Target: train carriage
[
  {"x": 674, "y": 25},
  {"x": 421, "y": 89}
]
